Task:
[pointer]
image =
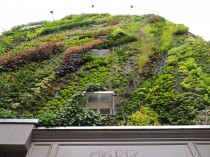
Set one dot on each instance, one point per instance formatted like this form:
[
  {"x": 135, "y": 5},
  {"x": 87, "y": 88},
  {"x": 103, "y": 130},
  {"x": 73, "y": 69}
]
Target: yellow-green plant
[{"x": 145, "y": 116}]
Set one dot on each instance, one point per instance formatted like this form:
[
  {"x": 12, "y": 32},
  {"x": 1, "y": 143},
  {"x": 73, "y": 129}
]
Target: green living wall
[{"x": 159, "y": 71}]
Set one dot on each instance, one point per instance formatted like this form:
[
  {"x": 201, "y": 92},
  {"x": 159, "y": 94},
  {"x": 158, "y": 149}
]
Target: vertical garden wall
[{"x": 159, "y": 71}]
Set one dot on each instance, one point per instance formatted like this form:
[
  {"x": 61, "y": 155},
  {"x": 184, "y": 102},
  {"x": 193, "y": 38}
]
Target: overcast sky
[{"x": 193, "y": 13}]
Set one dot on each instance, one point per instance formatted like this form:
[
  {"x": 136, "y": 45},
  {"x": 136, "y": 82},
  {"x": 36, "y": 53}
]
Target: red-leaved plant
[
  {"x": 72, "y": 60},
  {"x": 36, "y": 54}
]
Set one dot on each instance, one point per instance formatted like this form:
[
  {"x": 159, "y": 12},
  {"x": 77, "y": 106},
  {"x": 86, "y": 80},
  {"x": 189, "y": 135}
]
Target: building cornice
[{"x": 144, "y": 133}]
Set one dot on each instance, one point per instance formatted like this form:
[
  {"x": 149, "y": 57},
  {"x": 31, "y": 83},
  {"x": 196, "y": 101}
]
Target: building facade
[{"x": 20, "y": 138}]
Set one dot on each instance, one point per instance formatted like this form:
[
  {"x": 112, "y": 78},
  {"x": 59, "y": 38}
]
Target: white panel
[
  {"x": 6, "y": 132},
  {"x": 15, "y": 134},
  {"x": 153, "y": 150},
  {"x": 40, "y": 150},
  {"x": 21, "y": 134},
  {"x": 203, "y": 149}
]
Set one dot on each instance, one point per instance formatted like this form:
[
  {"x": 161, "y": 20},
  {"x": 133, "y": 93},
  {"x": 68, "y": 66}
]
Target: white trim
[
  {"x": 178, "y": 127},
  {"x": 22, "y": 121},
  {"x": 103, "y": 92}
]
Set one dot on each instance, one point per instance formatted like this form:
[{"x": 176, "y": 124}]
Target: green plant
[
  {"x": 37, "y": 54},
  {"x": 153, "y": 66},
  {"x": 145, "y": 116},
  {"x": 180, "y": 29},
  {"x": 74, "y": 113},
  {"x": 7, "y": 114}
]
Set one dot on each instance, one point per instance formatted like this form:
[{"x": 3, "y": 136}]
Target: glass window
[
  {"x": 93, "y": 98},
  {"x": 105, "y": 53},
  {"x": 106, "y": 98},
  {"x": 99, "y": 97},
  {"x": 100, "y": 53},
  {"x": 104, "y": 111},
  {"x": 96, "y": 54}
]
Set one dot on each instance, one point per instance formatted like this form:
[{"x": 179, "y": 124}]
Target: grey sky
[{"x": 193, "y": 13}]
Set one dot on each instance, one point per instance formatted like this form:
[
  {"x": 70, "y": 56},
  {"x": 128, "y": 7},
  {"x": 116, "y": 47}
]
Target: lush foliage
[
  {"x": 74, "y": 113},
  {"x": 146, "y": 116},
  {"x": 72, "y": 57},
  {"x": 160, "y": 72},
  {"x": 37, "y": 54}
]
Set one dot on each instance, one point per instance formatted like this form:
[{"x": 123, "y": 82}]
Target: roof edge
[
  {"x": 95, "y": 128},
  {"x": 19, "y": 121}
]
